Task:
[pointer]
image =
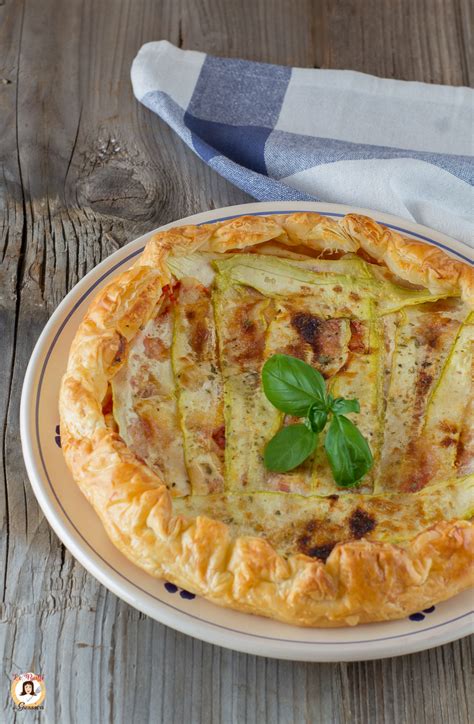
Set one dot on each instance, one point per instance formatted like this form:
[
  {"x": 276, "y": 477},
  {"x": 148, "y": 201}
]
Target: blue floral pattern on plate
[
  {"x": 171, "y": 588},
  {"x": 420, "y": 615}
]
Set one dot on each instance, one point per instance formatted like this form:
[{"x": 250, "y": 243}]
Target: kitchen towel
[{"x": 284, "y": 133}]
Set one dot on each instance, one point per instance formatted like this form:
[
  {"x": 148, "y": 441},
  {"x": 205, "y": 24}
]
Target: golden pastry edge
[{"x": 361, "y": 580}]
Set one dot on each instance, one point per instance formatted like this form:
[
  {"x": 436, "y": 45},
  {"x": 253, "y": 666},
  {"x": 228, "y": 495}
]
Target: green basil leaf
[
  {"x": 348, "y": 452},
  {"x": 317, "y": 417},
  {"x": 291, "y": 385},
  {"x": 341, "y": 406},
  {"x": 289, "y": 448}
]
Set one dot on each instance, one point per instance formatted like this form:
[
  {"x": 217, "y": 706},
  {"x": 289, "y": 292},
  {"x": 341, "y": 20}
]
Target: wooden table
[{"x": 85, "y": 168}]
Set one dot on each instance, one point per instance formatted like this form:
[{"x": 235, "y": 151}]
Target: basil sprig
[
  {"x": 289, "y": 448},
  {"x": 298, "y": 389},
  {"x": 291, "y": 385}
]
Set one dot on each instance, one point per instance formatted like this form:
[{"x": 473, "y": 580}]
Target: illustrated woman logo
[
  {"x": 28, "y": 693},
  {"x": 28, "y": 690}
]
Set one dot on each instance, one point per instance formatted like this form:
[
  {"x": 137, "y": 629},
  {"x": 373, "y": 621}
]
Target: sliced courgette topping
[
  {"x": 447, "y": 407},
  {"x": 144, "y": 399},
  {"x": 361, "y": 379},
  {"x": 297, "y": 330},
  {"x": 314, "y": 524},
  {"x": 335, "y": 295},
  {"x": 404, "y": 356},
  {"x": 242, "y": 318},
  {"x": 423, "y": 343},
  {"x": 197, "y": 266},
  {"x": 200, "y": 398}
]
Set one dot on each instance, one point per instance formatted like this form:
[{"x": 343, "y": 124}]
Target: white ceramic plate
[{"x": 81, "y": 531}]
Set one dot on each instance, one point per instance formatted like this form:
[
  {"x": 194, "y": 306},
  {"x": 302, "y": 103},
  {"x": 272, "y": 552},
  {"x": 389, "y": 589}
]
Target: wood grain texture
[{"x": 84, "y": 168}]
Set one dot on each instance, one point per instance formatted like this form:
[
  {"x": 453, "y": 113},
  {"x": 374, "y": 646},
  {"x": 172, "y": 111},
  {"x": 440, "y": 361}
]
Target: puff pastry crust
[{"x": 361, "y": 580}]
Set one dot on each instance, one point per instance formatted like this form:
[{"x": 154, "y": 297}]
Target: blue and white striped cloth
[{"x": 283, "y": 133}]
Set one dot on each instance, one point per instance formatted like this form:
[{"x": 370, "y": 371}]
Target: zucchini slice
[
  {"x": 361, "y": 379},
  {"x": 423, "y": 343},
  {"x": 200, "y": 398},
  {"x": 242, "y": 317},
  {"x": 334, "y": 295},
  {"x": 297, "y": 330},
  {"x": 274, "y": 326},
  {"x": 144, "y": 402},
  {"x": 342, "y": 287},
  {"x": 447, "y": 407},
  {"x": 314, "y": 524},
  {"x": 465, "y": 451},
  {"x": 196, "y": 266}
]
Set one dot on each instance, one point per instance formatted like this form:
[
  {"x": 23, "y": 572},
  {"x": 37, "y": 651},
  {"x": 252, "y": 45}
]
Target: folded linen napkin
[{"x": 283, "y": 133}]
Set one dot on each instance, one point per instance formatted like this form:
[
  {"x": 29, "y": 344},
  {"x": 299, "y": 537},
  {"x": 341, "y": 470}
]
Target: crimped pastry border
[{"x": 199, "y": 554}]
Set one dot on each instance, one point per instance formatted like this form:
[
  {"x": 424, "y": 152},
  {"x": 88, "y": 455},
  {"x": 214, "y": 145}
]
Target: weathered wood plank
[
  {"x": 425, "y": 40},
  {"x": 84, "y": 169},
  {"x": 11, "y": 249}
]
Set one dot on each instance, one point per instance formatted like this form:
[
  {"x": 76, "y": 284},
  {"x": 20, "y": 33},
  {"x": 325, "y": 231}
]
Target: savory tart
[{"x": 164, "y": 420}]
